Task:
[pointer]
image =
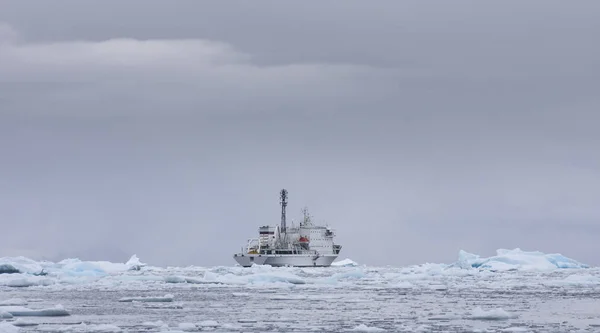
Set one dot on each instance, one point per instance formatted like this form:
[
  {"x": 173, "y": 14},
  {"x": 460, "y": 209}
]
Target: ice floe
[
  {"x": 365, "y": 328},
  {"x": 165, "y": 298},
  {"x": 13, "y": 301},
  {"x": 83, "y": 328},
  {"x": 517, "y": 259},
  {"x": 8, "y": 328},
  {"x": 493, "y": 314},
  {"x": 8, "y": 269},
  {"x": 67, "y": 267},
  {"x": 5, "y": 315},
  {"x": 188, "y": 327},
  {"x": 20, "y": 311},
  {"x": 135, "y": 275},
  {"x": 344, "y": 263}
]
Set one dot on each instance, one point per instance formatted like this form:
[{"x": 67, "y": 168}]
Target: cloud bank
[{"x": 416, "y": 135}]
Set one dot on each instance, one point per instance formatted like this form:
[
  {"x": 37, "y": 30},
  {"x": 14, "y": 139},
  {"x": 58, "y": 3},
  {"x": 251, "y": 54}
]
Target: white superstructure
[{"x": 305, "y": 245}]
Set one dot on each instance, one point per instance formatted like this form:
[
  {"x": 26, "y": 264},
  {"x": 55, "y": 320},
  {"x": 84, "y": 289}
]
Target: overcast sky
[{"x": 415, "y": 129}]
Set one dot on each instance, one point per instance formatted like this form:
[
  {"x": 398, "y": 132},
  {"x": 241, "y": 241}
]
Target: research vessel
[{"x": 305, "y": 245}]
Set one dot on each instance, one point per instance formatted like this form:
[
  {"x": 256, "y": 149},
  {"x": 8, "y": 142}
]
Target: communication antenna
[{"x": 283, "y": 196}]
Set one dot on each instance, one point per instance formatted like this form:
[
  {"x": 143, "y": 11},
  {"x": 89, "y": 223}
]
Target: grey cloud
[
  {"x": 199, "y": 76},
  {"x": 413, "y": 130}
]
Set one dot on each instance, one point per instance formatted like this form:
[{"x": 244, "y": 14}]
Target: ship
[{"x": 305, "y": 245}]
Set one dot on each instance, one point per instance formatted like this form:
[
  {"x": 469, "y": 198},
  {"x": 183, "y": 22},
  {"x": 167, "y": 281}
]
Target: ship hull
[{"x": 280, "y": 260}]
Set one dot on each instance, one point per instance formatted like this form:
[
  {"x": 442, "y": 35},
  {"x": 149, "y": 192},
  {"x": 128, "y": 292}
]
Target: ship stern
[{"x": 247, "y": 260}]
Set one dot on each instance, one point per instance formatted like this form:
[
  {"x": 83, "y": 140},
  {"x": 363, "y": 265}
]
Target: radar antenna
[
  {"x": 283, "y": 196},
  {"x": 307, "y": 221}
]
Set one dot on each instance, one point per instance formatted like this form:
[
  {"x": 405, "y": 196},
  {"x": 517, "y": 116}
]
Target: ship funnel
[{"x": 283, "y": 197}]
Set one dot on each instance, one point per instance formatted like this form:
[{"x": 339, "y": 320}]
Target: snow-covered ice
[
  {"x": 344, "y": 263},
  {"x": 8, "y": 328},
  {"x": 493, "y": 314},
  {"x": 512, "y": 291},
  {"x": 21, "y": 311},
  {"x": 518, "y": 259},
  {"x": 165, "y": 298}
]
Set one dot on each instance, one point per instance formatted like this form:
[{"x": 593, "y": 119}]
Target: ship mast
[{"x": 283, "y": 196}]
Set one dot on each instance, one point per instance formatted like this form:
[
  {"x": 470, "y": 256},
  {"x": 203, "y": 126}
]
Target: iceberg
[
  {"x": 66, "y": 267},
  {"x": 20, "y": 265},
  {"x": 517, "y": 259},
  {"x": 134, "y": 263},
  {"x": 344, "y": 263}
]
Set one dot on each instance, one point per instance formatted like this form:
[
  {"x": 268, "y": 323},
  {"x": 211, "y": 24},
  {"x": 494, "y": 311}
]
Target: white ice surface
[
  {"x": 492, "y": 314},
  {"x": 165, "y": 298},
  {"x": 8, "y": 328},
  {"x": 13, "y": 301},
  {"x": 344, "y": 263},
  {"x": 365, "y": 328},
  {"x": 512, "y": 290},
  {"x": 518, "y": 259},
  {"x": 21, "y": 311}
]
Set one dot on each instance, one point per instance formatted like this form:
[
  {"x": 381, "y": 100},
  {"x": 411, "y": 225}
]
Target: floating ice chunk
[
  {"x": 208, "y": 323},
  {"x": 22, "y": 323},
  {"x": 8, "y": 269},
  {"x": 185, "y": 279},
  {"x": 103, "y": 328},
  {"x": 516, "y": 329},
  {"x": 29, "y": 282},
  {"x": 76, "y": 267},
  {"x": 257, "y": 278},
  {"x": 20, "y": 311},
  {"x": 166, "y": 298},
  {"x": 21, "y": 264},
  {"x": 13, "y": 301},
  {"x": 404, "y": 285},
  {"x": 187, "y": 327},
  {"x": 444, "y": 316},
  {"x": 439, "y": 287},
  {"x": 228, "y": 326},
  {"x": 365, "y": 328},
  {"x": 98, "y": 268},
  {"x": 269, "y": 278},
  {"x": 344, "y": 263},
  {"x": 134, "y": 263},
  {"x": 100, "y": 328},
  {"x": 5, "y": 315},
  {"x": 175, "y": 279},
  {"x": 68, "y": 267},
  {"x": 494, "y": 314},
  {"x": 288, "y": 297},
  {"x": 155, "y": 324},
  {"x": 517, "y": 260},
  {"x": 583, "y": 279},
  {"x": 353, "y": 274},
  {"x": 240, "y": 294},
  {"x": 8, "y": 328}
]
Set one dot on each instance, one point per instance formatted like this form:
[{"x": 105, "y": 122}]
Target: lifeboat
[{"x": 303, "y": 240}]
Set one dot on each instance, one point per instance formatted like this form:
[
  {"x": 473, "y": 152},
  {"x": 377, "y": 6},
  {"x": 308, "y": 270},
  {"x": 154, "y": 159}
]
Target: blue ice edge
[
  {"x": 504, "y": 260},
  {"x": 517, "y": 259}
]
